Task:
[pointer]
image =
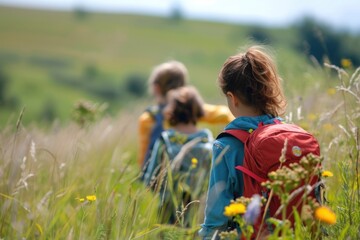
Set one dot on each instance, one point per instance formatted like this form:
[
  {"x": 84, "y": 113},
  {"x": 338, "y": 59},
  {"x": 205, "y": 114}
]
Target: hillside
[
  {"x": 51, "y": 60},
  {"x": 61, "y": 180}
]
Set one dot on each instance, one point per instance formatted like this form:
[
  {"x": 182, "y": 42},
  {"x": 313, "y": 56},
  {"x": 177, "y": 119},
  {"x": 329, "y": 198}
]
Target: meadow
[
  {"x": 46, "y": 55},
  {"x": 62, "y": 180}
]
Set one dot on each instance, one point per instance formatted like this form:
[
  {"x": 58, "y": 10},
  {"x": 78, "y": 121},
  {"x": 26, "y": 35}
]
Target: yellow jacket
[{"x": 214, "y": 114}]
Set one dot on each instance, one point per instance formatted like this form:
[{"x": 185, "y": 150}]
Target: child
[
  {"x": 167, "y": 76},
  {"x": 253, "y": 92},
  {"x": 190, "y": 168}
]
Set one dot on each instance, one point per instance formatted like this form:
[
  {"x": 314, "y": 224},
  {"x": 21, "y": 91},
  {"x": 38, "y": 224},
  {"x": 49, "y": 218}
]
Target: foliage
[
  {"x": 47, "y": 176},
  {"x": 86, "y": 112},
  {"x": 45, "y": 173},
  {"x": 284, "y": 183},
  {"x": 345, "y": 157},
  {"x": 136, "y": 85},
  {"x": 53, "y": 54},
  {"x": 81, "y": 13},
  {"x": 259, "y": 34},
  {"x": 325, "y": 44},
  {"x": 3, "y": 87},
  {"x": 48, "y": 114}
]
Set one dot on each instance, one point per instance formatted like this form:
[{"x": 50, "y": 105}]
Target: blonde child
[{"x": 165, "y": 77}]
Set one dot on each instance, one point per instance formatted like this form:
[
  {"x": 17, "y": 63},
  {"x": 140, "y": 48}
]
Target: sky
[{"x": 341, "y": 14}]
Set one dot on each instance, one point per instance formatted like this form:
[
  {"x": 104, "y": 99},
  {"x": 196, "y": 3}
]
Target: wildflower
[
  {"x": 253, "y": 210},
  {"x": 80, "y": 199},
  {"x": 327, "y": 174},
  {"x": 326, "y": 215},
  {"x": 272, "y": 175},
  {"x": 234, "y": 209},
  {"x": 304, "y": 125},
  {"x": 331, "y": 91},
  {"x": 328, "y": 127},
  {"x": 311, "y": 116},
  {"x": 194, "y": 162},
  {"x": 346, "y": 63},
  {"x": 91, "y": 198}
]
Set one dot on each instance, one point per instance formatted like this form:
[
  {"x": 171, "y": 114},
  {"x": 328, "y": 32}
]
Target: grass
[
  {"x": 117, "y": 46},
  {"x": 45, "y": 170}
]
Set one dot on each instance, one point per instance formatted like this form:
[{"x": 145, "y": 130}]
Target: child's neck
[
  {"x": 186, "y": 128},
  {"x": 244, "y": 110}
]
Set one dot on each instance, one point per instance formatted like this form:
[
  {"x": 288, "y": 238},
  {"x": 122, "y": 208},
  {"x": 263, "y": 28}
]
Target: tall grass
[
  {"x": 334, "y": 117},
  {"x": 46, "y": 175},
  {"x": 343, "y": 153}
]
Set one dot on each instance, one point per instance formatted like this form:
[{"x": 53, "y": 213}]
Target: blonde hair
[
  {"x": 169, "y": 75},
  {"x": 184, "y": 105},
  {"x": 252, "y": 77}
]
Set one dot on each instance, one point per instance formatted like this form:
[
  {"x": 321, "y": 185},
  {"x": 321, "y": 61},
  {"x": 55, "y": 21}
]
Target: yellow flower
[
  {"x": 80, "y": 199},
  {"x": 328, "y": 127},
  {"x": 312, "y": 117},
  {"x": 194, "y": 162},
  {"x": 346, "y": 63},
  {"x": 325, "y": 214},
  {"x": 327, "y": 174},
  {"x": 331, "y": 91},
  {"x": 304, "y": 125},
  {"x": 234, "y": 209},
  {"x": 91, "y": 198}
]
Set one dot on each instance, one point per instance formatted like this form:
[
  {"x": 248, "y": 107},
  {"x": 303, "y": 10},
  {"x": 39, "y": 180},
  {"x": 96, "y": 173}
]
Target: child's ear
[
  {"x": 232, "y": 98},
  {"x": 156, "y": 88}
]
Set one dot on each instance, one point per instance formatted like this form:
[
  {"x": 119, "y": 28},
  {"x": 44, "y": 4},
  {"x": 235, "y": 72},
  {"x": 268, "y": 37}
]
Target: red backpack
[{"x": 262, "y": 151}]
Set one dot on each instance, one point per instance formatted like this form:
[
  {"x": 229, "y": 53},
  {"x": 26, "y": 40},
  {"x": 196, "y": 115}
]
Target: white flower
[{"x": 253, "y": 210}]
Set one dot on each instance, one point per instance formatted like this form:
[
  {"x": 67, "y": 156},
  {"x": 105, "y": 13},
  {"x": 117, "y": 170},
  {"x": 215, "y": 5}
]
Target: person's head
[
  {"x": 167, "y": 76},
  {"x": 184, "y": 105},
  {"x": 252, "y": 78}
]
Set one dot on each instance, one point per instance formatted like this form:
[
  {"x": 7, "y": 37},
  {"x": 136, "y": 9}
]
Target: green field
[{"x": 51, "y": 60}]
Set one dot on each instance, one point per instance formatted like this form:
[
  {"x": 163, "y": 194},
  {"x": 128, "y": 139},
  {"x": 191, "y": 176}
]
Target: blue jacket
[{"x": 226, "y": 183}]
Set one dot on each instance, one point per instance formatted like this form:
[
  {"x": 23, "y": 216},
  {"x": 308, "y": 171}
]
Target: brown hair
[
  {"x": 184, "y": 105},
  {"x": 169, "y": 75},
  {"x": 252, "y": 77}
]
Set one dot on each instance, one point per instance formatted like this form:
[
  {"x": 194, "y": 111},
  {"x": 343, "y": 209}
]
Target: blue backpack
[
  {"x": 180, "y": 173},
  {"x": 156, "y": 113},
  {"x": 190, "y": 162}
]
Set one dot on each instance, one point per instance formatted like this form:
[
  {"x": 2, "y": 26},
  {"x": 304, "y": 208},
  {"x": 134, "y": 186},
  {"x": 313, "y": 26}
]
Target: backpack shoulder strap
[
  {"x": 169, "y": 146},
  {"x": 240, "y": 134},
  {"x": 153, "y": 110},
  {"x": 243, "y": 136},
  {"x": 209, "y": 135},
  {"x": 250, "y": 174}
]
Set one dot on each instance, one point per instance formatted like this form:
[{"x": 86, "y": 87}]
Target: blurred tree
[
  {"x": 259, "y": 34},
  {"x": 80, "y": 13},
  {"x": 325, "y": 44},
  {"x": 176, "y": 13},
  {"x": 48, "y": 113},
  {"x": 135, "y": 84},
  {"x": 3, "y": 87},
  {"x": 91, "y": 71}
]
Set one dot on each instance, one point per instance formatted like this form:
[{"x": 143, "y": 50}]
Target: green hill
[{"x": 50, "y": 60}]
